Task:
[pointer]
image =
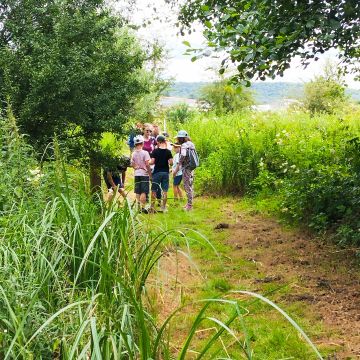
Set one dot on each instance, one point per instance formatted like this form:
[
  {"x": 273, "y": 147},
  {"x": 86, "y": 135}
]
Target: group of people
[{"x": 153, "y": 161}]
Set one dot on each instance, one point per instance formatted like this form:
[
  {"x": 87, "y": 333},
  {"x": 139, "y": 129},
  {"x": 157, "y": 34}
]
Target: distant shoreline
[{"x": 264, "y": 92}]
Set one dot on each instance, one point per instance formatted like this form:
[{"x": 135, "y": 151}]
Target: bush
[
  {"x": 310, "y": 163},
  {"x": 325, "y": 197},
  {"x": 224, "y": 98},
  {"x": 179, "y": 114},
  {"x": 326, "y": 93}
]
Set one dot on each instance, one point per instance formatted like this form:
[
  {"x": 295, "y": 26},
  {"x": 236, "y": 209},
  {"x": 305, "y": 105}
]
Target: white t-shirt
[{"x": 175, "y": 162}]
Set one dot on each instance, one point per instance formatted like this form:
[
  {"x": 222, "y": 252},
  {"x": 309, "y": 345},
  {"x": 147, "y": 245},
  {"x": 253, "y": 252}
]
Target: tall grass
[{"x": 311, "y": 163}]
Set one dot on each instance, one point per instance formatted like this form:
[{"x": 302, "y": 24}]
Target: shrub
[
  {"x": 326, "y": 93},
  {"x": 224, "y": 98},
  {"x": 326, "y": 197},
  {"x": 179, "y": 114},
  {"x": 310, "y": 163}
]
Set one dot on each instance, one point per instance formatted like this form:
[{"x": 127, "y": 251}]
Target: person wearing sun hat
[
  {"x": 188, "y": 175},
  {"x": 140, "y": 161}
]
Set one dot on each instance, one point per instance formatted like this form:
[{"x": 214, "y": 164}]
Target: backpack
[{"x": 193, "y": 157}]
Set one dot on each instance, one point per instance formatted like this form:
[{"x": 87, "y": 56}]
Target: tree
[
  {"x": 179, "y": 114},
  {"x": 224, "y": 98},
  {"x": 326, "y": 93},
  {"x": 261, "y": 37},
  {"x": 70, "y": 69}
]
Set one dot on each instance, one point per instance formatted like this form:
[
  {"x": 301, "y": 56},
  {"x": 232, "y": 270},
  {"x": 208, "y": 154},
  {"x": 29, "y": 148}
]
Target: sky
[{"x": 179, "y": 67}]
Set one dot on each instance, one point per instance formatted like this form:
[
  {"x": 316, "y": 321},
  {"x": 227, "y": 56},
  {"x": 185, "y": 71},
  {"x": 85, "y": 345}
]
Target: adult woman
[
  {"x": 149, "y": 140},
  {"x": 188, "y": 174}
]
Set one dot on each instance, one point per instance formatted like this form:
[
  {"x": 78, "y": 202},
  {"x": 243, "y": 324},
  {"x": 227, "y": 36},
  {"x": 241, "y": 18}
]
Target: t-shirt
[
  {"x": 162, "y": 157},
  {"x": 149, "y": 145},
  {"x": 184, "y": 159},
  {"x": 139, "y": 158},
  {"x": 176, "y": 161}
]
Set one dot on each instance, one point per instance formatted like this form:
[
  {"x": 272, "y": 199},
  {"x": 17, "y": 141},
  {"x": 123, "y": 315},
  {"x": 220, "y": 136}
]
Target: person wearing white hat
[
  {"x": 188, "y": 174},
  {"x": 140, "y": 161}
]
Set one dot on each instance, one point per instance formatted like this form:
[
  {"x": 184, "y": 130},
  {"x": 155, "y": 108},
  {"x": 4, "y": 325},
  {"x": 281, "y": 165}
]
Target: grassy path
[{"x": 316, "y": 284}]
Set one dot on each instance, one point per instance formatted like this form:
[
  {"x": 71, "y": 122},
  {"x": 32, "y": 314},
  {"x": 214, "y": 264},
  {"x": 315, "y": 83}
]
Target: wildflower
[
  {"x": 297, "y": 171},
  {"x": 285, "y": 170},
  {"x": 285, "y": 209},
  {"x": 5, "y": 331},
  {"x": 293, "y": 166},
  {"x": 36, "y": 175},
  {"x": 35, "y": 171}
]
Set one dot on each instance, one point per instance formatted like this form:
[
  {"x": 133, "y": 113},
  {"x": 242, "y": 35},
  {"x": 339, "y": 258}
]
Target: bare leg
[
  {"x": 142, "y": 199},
  {"x": 153, "y": 198},
  {"x": 180, "y": 193},
  {"x": 122, "y": 192},
  {"x": 176, "y": 194},
  {"x": 164, "y": 199}
]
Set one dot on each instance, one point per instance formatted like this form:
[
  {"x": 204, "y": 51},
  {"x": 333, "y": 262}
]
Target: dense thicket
[{"x": 309, "y": 165}]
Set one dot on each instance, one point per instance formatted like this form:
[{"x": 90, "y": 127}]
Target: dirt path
[
  {"x": 261, "y": 254},
  {"x": 324, "y": 277}
]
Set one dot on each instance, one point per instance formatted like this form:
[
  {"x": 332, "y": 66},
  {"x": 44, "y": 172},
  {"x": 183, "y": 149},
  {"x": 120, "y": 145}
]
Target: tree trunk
[{"x": 95, "y": 175}]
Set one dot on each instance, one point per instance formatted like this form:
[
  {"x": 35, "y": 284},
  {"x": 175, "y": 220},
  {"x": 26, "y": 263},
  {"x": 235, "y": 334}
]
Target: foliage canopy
[
  {"x": 69, "y": 68},
  {"x": 261, "y": 37}
]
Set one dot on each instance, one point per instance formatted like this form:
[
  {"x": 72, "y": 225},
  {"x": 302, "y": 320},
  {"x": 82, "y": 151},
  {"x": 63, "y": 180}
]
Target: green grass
[{"x": 272, "y": 336}]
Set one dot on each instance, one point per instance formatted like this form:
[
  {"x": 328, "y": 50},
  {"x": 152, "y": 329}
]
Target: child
[
  {"x": 162, "y": 158},
  {"x": 140, "y": 161},
  {"x": 177, "y": 176},
  {"x": 114, "y": 177}
]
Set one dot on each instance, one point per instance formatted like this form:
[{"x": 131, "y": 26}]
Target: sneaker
[
  {"x": 188, "y": 208},
  {"x": 144, "y": 211},
  {"x": 164, "y": 209}
]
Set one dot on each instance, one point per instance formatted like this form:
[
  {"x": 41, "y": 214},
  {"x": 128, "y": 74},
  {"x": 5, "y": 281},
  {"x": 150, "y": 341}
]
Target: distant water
[{"x": 264, "y": 92}]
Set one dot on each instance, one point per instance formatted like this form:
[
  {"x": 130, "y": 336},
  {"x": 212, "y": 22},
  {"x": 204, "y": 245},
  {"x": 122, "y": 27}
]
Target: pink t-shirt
[
  {"x": 149, "y": 145},
  {"x": 139, "y": 158}
]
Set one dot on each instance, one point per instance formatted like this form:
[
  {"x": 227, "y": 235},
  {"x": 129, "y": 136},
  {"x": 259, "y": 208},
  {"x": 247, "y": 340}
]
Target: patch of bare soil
[
  {"x": 174, "y": 277},
  {"x": 323, "y": 276}
]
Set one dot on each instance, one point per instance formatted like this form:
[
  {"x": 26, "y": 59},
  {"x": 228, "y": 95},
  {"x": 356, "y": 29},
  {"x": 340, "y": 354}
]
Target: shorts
[
  {"x": 117, "y": 181},
  {"x": 177, "y": 180},
  {"x": 160, "y": 182},
  {"x": 141, "y": 185}
]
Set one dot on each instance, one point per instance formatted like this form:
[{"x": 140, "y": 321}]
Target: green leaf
[
  {"x": 194, "y": 58},
  {"x": 208, "y": 24},
  {"x": 186, "y": 43}
]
